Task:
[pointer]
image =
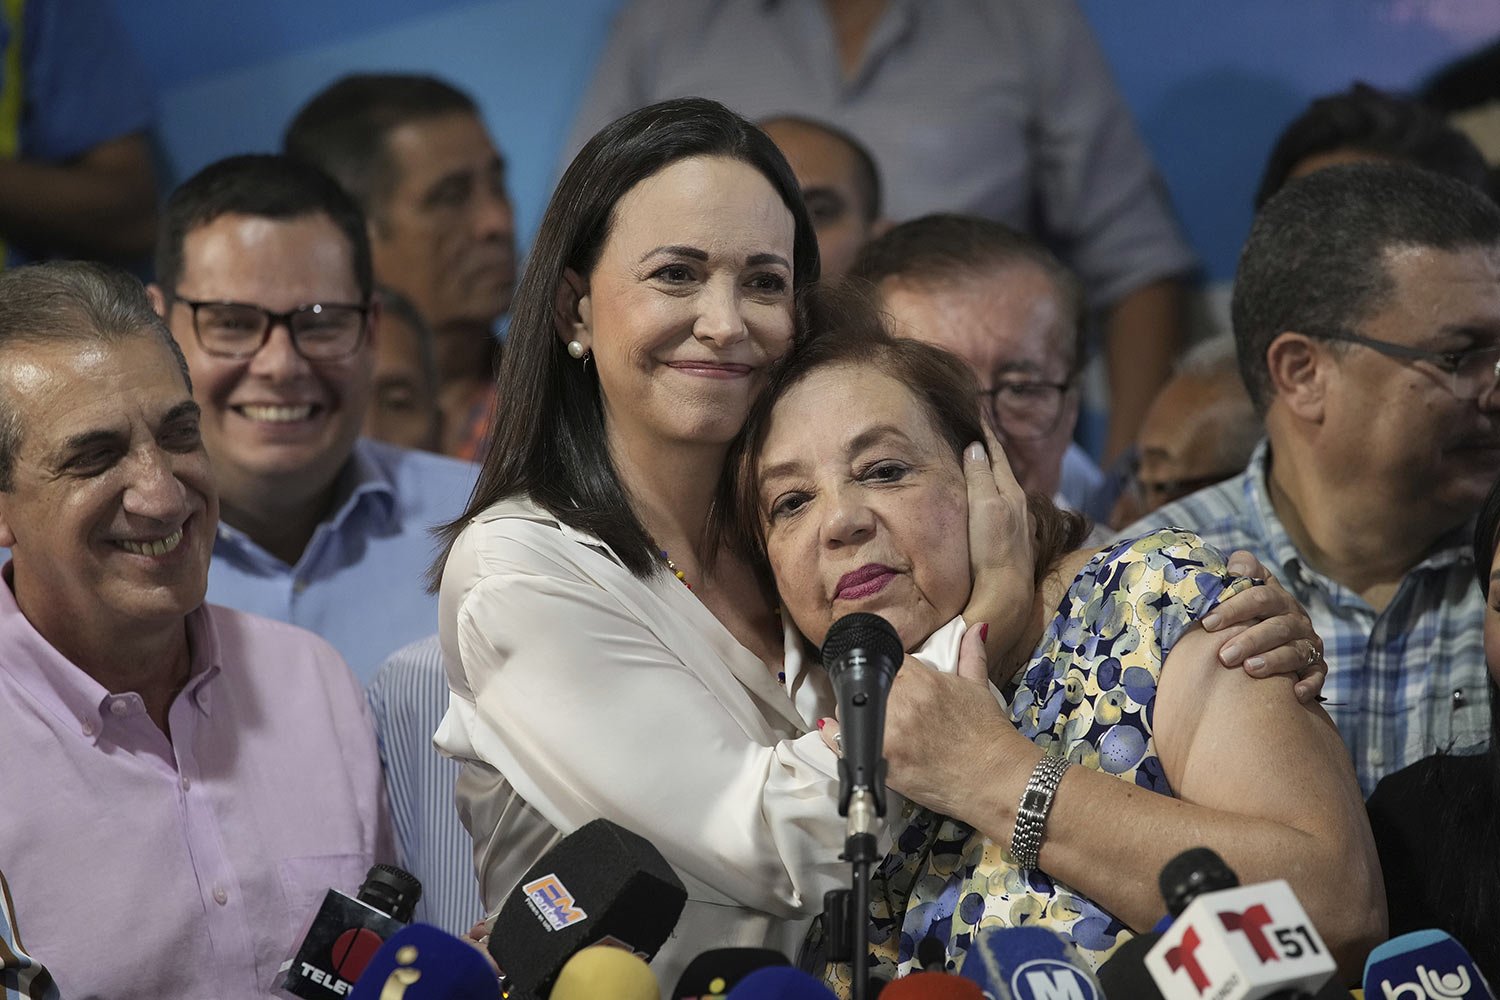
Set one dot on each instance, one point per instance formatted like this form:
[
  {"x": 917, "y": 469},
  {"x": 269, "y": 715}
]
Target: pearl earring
[{"x": 575, "y": 349}]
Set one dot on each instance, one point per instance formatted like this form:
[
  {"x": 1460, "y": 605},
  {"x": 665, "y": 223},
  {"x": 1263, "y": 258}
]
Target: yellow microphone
[{"x": 603, "y": 971}]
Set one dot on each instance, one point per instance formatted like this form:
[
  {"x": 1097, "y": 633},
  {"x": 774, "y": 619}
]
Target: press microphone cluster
[{"x": 345, "y": 933}]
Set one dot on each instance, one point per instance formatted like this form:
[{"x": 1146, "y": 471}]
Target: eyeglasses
[
  {"x": 1023, "y": 410},
  {"x": 325, "y": 331},
  {"x": 1471, "y": 374}
]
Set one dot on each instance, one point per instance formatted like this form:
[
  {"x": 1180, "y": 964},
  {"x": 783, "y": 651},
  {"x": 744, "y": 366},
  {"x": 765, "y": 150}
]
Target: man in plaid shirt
[{"x": 1366, "y": 315}]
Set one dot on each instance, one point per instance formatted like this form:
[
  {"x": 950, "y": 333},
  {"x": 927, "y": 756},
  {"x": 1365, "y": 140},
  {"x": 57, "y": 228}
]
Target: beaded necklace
[{"x": 682, "y": 578}]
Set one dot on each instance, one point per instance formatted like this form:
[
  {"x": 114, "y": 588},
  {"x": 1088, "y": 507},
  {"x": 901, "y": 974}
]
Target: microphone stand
[{"x": 847, "y": 911}]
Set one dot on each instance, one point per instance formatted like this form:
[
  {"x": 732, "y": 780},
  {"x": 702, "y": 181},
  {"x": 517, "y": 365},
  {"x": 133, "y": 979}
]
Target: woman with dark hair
[
  {"x": 1437, "y": 822},
  {"x": 601, "y": 664},
  {"x": 851, "y": 484}
]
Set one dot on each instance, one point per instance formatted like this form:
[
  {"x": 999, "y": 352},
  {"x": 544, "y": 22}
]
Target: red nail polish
[
  {"x": 822, "y": 723},
  {"x": 984, "y": 632}
]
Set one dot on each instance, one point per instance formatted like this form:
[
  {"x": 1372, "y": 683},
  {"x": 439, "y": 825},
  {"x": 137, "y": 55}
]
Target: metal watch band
[{"x": 1031, "y": 815}]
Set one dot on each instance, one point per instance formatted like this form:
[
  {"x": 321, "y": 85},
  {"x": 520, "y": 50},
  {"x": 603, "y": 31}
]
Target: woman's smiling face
[
  {"x": 689, "y": 302},
  {"x": 863, "y": 505}
]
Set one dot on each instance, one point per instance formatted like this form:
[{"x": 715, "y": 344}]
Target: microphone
[
  {"x": 1424, "y": 965},
  {"x": 345, "y": 934},
  {"x": 1029, "y": 963},
  {"x": 601, "y": 884},
  {"x": 1236, "y": 943},
  {"x": 1126, "y": 975},
  {"x": 862, "y": 654},
  {"x": 420, "y": 962},
  {"x": 602, "y": 971},
  {"x": 933, "y": 986},
  {"x": 716, "y": 972},
  {"x": 781, "y": 982}
]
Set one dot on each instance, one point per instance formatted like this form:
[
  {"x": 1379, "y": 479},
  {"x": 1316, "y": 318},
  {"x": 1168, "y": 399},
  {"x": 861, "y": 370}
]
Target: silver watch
[{"x": 1031, "y": 815}]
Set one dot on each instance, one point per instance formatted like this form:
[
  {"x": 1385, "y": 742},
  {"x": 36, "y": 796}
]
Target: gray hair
[{"x": 70, "y": 302}]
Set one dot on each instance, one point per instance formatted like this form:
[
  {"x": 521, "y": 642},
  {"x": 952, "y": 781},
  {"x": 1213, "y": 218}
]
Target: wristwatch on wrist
[{"x": 1031, "y": 814}]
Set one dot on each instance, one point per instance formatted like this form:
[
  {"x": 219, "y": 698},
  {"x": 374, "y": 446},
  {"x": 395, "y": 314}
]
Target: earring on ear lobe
[{"x": 575, "y": 350}]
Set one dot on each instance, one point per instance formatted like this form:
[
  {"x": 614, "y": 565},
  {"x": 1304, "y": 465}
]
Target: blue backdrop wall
[{"x": 1210, "y": 83}]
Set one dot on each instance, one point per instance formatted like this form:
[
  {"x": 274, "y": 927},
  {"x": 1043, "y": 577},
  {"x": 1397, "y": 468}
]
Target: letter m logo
[{"x": 1056, "y": 984}]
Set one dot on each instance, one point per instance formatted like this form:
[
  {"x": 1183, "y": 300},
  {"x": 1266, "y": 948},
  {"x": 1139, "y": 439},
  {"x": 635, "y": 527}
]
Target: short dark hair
[
  {"x": 866, "y": 173},
  {"x": 1372, "y": 121},
  {"x": 846, "y": 328},
  {"x": 71, "y": 301},
  {"x": 342, "y": 128},
  {"x": 943, "y": 248},
  {"x": 548, "y": 437},
  {"x": 1315, "y": 260},
  {"x": 268, "y": 186}
]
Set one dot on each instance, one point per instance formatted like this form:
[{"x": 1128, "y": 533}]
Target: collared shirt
[
  {"x": 362, "y": 580},
  {"x": 1403, "y": 683},
  {"x": 999, "y": 108},
  {"x": 21, "y": 976},
  {"x": 409, "y": 696},
  {"x": 185, "y": 868}
]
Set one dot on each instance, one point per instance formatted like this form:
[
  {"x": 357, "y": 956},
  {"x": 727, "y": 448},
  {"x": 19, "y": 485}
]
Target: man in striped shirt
[{"x": 1366, "y": 314}]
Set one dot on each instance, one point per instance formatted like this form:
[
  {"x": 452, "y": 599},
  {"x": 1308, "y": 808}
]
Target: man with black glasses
[
  {"x": 1002, "y": 302},
  {"x": 264, "y": 275},
  {"x": 1366, "y": 316}
]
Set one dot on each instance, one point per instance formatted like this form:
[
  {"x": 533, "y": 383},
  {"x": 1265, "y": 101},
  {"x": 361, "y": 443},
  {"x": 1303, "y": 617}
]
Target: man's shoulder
[
  {"x": 288, "y": 650},
  {"x": 415, "y": 663},
  {"x": 418, "y": 472},
  {"x": 1219, "y": 515}
]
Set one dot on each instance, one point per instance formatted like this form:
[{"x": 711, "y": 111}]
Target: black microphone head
[
  {"x": 392, "y": 891},
  {"x": 861, "y": 630},
  {"x": 599, "y": 884},
  {"x": 1125, "y": 973},
  {"x": 1191, "y": 874},
  {"x": 716, "y": 972}
]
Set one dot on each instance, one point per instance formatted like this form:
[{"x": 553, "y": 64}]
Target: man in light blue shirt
[
  {"x": 1367, "y": 317},
  {"x": 265, "y": 278}
]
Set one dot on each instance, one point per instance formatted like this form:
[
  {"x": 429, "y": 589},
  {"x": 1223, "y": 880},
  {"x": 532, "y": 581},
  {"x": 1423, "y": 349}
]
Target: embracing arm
[
  {"x": 565, "y": 689},
  {"x": 1272, "y": 633},
  {"x": 1262, "y": 780}
]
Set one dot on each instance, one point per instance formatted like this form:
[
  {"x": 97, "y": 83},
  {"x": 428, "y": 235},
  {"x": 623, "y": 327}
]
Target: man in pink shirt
[{"x": 183, "y": 782}]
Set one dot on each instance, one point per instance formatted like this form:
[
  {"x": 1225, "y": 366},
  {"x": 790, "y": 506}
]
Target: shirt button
[
  {"x": 1376, "y": 757},
  {"x": 118, "y": 707},
  {"x": 185, "y": 783},
  {"x": 89, "y": 729},
  {"x": 1459, "y": 698},
  {"x": 220, "y": 896},
  {"x": 298, "y": 586}
]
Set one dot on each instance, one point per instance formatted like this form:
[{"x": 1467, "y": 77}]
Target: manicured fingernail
[
  {"x": 1211, "y": 622},
  {"x": 984, "y": 632},
  {"x": 974, "y": 452},
  {"x": 1256, "y": 664},
  {"x": 1230, "y": 653},
  {"x": 822, "y": 723}
]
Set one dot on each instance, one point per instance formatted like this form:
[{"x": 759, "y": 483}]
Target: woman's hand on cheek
[
  {"x": 1002, "y": 549},
  {"x": 945, "y": 735},
  {"x": 1269, "y": 631}
]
